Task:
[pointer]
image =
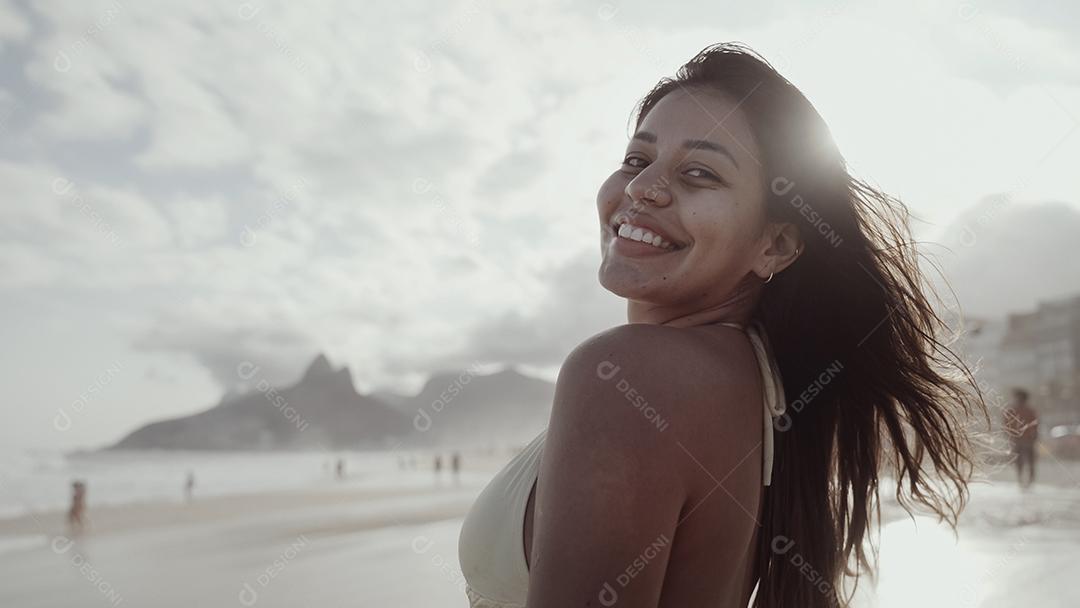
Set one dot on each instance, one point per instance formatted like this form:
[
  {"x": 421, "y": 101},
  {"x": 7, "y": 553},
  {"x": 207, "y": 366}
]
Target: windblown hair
[{"x": 870, "y": 378}]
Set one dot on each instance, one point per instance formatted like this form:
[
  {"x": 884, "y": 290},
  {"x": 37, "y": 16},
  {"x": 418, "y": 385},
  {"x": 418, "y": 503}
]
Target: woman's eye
[
  {"x": 630, "y": 161},
  {"x": 703, "y": 173}
]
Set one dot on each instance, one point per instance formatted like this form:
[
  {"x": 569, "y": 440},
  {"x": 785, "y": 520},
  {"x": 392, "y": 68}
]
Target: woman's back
[{"x": 707, "y": 557}]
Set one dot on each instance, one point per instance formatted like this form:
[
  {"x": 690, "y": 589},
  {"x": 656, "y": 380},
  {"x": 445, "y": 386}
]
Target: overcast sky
[{"x": 412, "y": 187}]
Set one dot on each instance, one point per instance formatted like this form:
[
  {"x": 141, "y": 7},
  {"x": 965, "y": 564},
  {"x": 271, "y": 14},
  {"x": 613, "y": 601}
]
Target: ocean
[{"x": 40, "y": 480}]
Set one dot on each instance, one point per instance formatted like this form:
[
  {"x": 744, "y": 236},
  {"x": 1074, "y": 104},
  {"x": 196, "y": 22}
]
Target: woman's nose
[{"x": 649, "y": 188}]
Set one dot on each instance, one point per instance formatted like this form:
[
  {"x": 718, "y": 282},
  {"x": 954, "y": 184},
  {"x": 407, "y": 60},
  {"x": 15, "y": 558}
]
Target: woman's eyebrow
[{"x": 690, "y": 144}]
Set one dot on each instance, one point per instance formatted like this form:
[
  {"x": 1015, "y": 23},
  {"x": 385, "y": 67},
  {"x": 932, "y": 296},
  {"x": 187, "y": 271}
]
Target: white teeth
[{"x": 627, "y": 231}]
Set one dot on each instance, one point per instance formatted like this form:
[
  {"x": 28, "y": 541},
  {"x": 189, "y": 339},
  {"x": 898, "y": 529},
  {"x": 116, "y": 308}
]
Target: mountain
[
  {"x": 322, "y": 410},
  {"x": 464, "y": 408},
  {"x": 1002, "y": 256},
  {"x": 393, "y": 399}
]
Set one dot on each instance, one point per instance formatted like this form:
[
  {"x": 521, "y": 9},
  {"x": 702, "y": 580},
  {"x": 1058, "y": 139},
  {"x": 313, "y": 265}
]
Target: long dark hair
[{"x": 872, "y": 384}]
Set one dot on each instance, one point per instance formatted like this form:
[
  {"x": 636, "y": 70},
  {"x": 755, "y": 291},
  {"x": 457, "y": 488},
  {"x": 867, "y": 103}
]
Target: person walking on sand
[
  {"x": 1021, "y": 422},
  {"x": 455, "y": 466},
  {"x": 189, "y": 486},
  {"x": 76, "y": 514}
]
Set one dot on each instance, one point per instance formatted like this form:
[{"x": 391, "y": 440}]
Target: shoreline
[
  {"x": 107, "y": 518},
  {"x": 383, "y": 540}
]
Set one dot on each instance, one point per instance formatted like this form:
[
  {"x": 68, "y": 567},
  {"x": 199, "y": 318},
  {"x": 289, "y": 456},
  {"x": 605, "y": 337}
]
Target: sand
[
  {"x": 351, "y": 544},
  {"x": 331, "y": 545}
]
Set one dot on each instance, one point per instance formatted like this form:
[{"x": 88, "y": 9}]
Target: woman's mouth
[{"x": 626, "y": 229}]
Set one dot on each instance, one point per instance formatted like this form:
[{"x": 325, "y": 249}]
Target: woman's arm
[{"x": 615, "y": 474}]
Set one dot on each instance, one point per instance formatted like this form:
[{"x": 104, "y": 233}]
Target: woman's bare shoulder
[
  {"x": 677, "y": 359},
  {"x": 697, "y": 389}
]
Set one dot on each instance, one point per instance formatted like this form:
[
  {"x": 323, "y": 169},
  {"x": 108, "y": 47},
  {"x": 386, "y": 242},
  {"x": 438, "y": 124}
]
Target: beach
[
  {"x": 369, "y": 541},
  {"x": 378, "y": 537}
]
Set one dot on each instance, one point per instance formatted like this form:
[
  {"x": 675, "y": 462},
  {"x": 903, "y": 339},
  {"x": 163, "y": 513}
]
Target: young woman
[{"x": 780, "y": 354}]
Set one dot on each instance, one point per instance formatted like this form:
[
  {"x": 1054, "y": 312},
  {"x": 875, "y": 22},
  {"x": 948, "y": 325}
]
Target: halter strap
[
  {"x": 774, "y": 398},
  {"x": 773, "y": 385}
]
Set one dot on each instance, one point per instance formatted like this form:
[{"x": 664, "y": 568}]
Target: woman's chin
[{"x": 632, "y": 284}]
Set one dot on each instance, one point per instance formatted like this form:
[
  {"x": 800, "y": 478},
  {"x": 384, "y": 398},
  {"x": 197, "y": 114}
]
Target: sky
[{"x": 410, "y": 187}]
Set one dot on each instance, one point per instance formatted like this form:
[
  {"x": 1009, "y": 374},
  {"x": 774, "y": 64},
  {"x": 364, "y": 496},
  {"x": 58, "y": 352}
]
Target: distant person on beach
[
  {"x": 1021, "y": 422},
  {"x": 189, "y": 486},
  {"x": 77, "y": 513},
  {"x": 339, "y": 469},
  {"x": 781, "y": 343},
  {"x": 438, "y": 464},
  {"x": 455, "y": 465}
]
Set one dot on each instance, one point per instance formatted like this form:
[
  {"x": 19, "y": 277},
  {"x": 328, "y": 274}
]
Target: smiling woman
[{"x": 753, "y": 264}]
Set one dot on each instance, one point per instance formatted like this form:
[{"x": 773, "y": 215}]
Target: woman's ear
[{"x": 784, "y": 247}]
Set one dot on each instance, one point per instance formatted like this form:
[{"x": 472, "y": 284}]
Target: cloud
[
  {"x": 575, "y": 307},
  {"x": 412, "y": 187},
  {"x": 14, "y": 26},
  {"x": 83, "y": 226},
  {"x": 512, "y": 171},
  {"x": 199, "y": 221},
  {"x": 24, "y": 266},
  {"x": 1024, "y": 53},
  {"x": 90, "y": 87},
  {"x": 221, "y": 345},
  {"x": 1004, "y": 256}
]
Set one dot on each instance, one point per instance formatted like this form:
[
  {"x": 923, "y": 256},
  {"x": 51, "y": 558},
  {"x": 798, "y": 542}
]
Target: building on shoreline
[{"x": 1038, "y": 350}]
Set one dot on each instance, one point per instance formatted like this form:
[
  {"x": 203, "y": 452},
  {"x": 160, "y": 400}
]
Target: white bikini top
[{"x": 491, "y": 547}]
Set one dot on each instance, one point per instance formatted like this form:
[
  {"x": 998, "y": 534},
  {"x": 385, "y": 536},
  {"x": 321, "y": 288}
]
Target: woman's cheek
[{"x": 611, "y": 191}]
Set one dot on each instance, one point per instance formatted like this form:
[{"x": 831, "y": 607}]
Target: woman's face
[{"x": 691, "y": 174}]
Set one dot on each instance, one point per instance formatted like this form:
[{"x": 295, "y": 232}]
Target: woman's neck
[{"x": 739, "y": 308}]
